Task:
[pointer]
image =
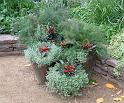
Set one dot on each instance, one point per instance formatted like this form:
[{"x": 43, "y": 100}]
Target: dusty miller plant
[
  {"x": 35, "y": 56},
  {"x": 66, "y": 85}
]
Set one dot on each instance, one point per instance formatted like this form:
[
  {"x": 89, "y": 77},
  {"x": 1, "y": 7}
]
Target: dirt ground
[{"x": 18, "y": 85}]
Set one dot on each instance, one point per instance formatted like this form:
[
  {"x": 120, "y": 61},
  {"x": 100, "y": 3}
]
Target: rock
[
  {"x": 99, "y": 70},
  {"x": 13, "y": 53},
  {"x": 18, "y": 47},
  {"x": 111, "y": 62},
  {"x": 8, "y": 39},
  {"x": 122, "y": 74},
  {"x": 110, "y": 70},
  {"x": 9, "y": 46},
  {"x": 98, "y": 62},
  {"x": 106, "y": 70},
  {"x": 102, "y": 67},
  {"x": 6, "y": 48}
]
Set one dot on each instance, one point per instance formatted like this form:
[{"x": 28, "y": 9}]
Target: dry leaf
[
  {"x": 27, "y": 65},
  {"x": 100, "y": 100},
  {"x": 117, "y": 99},
  {"x": 110, "y": 86}
]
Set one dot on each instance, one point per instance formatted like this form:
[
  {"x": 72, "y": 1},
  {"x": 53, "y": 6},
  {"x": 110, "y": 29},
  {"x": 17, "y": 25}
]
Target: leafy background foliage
[
  {"x": 107, "y": 12},
  {"x": 11, "y": 9}
]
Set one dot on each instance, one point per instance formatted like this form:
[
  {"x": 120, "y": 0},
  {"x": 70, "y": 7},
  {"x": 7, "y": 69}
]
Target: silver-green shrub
[
  {"x": 66, "y": 85},
  {"x": 35, "y": 56}
]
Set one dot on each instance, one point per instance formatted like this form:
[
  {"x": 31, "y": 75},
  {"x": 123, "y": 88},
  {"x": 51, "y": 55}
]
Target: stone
[
  {"x": 6, "y": 48},
  {"x": 8, "y": 39},
  {"x": 102, "y": 67},
  {"x": 98, "y": 70},
  {"x": 106, "y": 70},
  {"x": 110, "y": 70},
  {"x": 122, "y": 74},
  {"x": 9, "y": 46},
  {"x": 13, "y": 53},
  {"x": 111, "y": 62},
  {"x": 18, "y": 47}
]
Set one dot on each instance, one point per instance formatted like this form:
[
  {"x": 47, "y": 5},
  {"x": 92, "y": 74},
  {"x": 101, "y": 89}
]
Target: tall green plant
[{"x": 107, "y": 12}]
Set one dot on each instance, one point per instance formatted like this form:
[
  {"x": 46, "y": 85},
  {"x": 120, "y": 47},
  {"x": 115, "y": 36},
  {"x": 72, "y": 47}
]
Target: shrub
[
  {"x": 16, "y": 4},
  {"x": 37, "y": 54},
  {"x": 66, "y": 84},
  {"x": 28, "y": 29},
  {"x": 116, "y": 50},
  {"x": 78, "y": 32},
  {"x": 73, "y": 55},
  {"x": 62, "y": 3},
  {"x": 33, "y": 26}
]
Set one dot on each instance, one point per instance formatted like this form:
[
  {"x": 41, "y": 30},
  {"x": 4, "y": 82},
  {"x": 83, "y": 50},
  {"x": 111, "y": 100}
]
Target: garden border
[
  {"x": 9, "y": 45},
  {"x": 105, "y": 68}
]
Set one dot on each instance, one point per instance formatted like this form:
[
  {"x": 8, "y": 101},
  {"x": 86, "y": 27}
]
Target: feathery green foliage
[
  {"x": 33, "y": 26},
  {"x": 29, "y": 30},
  {"x": 78, "y": 32}
]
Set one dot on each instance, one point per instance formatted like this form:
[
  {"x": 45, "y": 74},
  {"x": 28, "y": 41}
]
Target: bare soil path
[{"x": 18, "y": 85}]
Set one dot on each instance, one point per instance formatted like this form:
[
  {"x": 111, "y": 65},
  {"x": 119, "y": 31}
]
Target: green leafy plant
[
  {"x": 66, "y": 85},
  {"x": 61, "y": 3},
  {"x": 12, "y": 9},
  {"x": 33, "y": 26},
  {"x": 107, "y": 12},
  {"x": 73, "y": 55},
  {"x": 116, "y": 50},
  {"x": 43, "y": 53},
  {"x": 100, "y": 12},
  {"x": 29, "y": 30},
  {"x": 81, "y": 33}
]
